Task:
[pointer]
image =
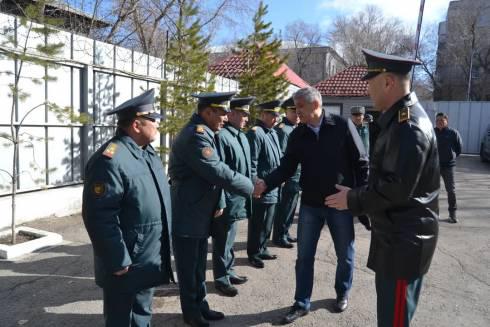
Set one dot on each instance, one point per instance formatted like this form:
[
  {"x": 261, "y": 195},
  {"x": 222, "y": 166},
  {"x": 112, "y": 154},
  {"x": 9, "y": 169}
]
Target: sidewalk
[{"x": 55, "y": 287}]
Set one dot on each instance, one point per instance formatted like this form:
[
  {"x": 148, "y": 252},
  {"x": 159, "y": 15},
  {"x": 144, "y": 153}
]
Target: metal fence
[{"x": 92, "y": 77}]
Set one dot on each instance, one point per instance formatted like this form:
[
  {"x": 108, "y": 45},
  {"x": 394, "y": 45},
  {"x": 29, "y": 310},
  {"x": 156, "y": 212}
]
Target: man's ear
[{"x": 135, "y": 125}]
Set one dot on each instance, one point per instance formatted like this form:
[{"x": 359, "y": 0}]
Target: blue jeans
[{"x": 341, "y": 226}]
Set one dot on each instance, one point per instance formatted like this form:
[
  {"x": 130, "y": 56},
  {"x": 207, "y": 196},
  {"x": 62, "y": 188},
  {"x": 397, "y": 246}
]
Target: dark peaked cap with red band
[
  {"x": 379, "y": 62},
  {"x": 140, "y": 106}
]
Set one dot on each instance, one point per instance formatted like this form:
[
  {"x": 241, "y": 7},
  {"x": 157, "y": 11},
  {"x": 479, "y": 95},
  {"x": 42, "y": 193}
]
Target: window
[{"x": 333, "y": 108}]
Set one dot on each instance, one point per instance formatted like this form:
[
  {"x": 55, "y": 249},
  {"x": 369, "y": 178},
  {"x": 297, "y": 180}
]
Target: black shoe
[
  {"x": 212, "y": 315},
  {"x": 267, "y": 256},
  {"x": 196, "y": 321},
  {"x": 293, "y": 314},
  {"x": 256, "y": 262},
  {"x": 291, "y": 239},
  {"x": 238, "y": 280},
  {"x": 284, "y": 244},
  {"x": 342, "y": 303},
  {"x": 226, "y": 290},
  {"x": 452, "y": 220}
]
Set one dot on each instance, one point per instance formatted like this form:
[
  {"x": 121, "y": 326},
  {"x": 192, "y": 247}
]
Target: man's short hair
[
  {"x": 309, "y": 94},
  {"x": 442, "y": 114}
]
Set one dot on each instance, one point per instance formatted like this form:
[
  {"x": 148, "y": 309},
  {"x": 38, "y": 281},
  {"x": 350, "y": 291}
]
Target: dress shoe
[
  {"x": 292, "y": 239},
  {"x": 238, "y": 280},
  {"x": 212, "y": 315},
  {"x": 342, "y": 303},
  {"x": 267, "y": 256},
  {"x": 452, "y": 217},
  {"x": 294, "y": 313},
  {"x": 284, "y": 244},
  {"x": 225, "y": 289},
  {"x": 196, "y": 322},
  {"x": 256, "y": 262}
]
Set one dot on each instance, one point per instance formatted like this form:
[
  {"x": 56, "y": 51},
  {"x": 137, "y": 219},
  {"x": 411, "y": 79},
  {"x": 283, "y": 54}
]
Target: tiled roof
[
  {"x": 347, "y": 83},
  {"x": 233, "y": 66}
]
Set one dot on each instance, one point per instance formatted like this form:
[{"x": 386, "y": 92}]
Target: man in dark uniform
[
  {"x": 235, "y": 152},
  {"x": 324, "y": 147},
  {"x": 290, "y": 191},
  {"x": 198, "y": 178},
  {"x": 265, "y": 153},
  {"x": 401, "y": 198},
  {"x": 357, "y": 117},
  {"x": 127, "y": 214},
  {"x": 449, "y": 144}
]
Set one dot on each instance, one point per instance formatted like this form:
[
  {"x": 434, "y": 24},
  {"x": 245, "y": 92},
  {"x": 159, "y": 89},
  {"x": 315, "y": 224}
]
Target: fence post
[{"x": 84, "y": 139}]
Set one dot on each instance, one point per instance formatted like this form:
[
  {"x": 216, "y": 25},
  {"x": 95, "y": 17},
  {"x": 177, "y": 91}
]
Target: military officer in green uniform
[
  {"x": 265, "y": 153},
  {"x": 198, "y": 177},
  {"x": 235, "y": 152},
  {"x": 126, "y": 211},
  {"x": 357, "y": 117},
  {"x": 290, "y": 191},
  {"x": 401, "y": 197}
]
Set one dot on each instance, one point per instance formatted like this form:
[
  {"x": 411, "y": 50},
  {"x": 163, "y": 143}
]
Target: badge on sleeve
[
  {"x": 98, "y": 189},
  {"x": 403, "y": 114},
  {"x": 207, "y": 152},
  {"x": 200, "y": 129},
  {"x": 110, "y": 150}
]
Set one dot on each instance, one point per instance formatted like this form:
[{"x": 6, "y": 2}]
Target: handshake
[{"x": 259, "y": 188}]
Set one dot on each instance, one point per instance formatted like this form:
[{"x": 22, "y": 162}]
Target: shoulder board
[
  {"x": 200, "y": 129},
  {"x": 110, "y": 150},
  {"x": 403, "y": 114}
]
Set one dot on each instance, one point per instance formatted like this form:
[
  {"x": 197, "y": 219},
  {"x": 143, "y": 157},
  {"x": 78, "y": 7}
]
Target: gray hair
[{"x": 309, "y": 94}]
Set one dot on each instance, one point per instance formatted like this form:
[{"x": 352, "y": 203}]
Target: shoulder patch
[
  {"x": 110, "y": 150},
  {"x": 403, "y": 114},
  {"x": 207, "y": 152},
  {"x": 200, "y": 129},
  {"x": 98, "y": 189}
]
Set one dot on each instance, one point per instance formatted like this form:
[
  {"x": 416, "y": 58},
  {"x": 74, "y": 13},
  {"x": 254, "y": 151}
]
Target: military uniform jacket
[
  {"x": 198, "y": 177},
  {"x": 402, "y": 195},
  {"x": 126, "y": 211},
  {"x": 265, "y": 154},
  {"x": 283, "y": 131},
  {"x": 235, "y": 152}
]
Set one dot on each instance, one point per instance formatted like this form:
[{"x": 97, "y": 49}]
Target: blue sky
[{"x": 282, "y": 12}]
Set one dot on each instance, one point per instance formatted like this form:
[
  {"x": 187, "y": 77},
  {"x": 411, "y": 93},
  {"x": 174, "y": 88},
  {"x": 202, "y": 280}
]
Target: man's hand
[
  {"x": 259, "y": 188},
  {"x": 121, "y": 272},
  {"x": 218, "y": 213},
  {"x": 338, "y": 200}
]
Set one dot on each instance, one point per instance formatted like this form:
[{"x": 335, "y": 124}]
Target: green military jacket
[
  {"x": 283, "y": 131},
  {"x": 126, "y": 211},
  {"x": 198, "y": 177},
  {"x": 265, "y": 154},
  {"x": 235, "y": 152},
  {"x": 363, "y": 131}
]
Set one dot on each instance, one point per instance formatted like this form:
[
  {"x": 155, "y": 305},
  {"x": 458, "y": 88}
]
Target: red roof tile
[
  {"x": 233, "y": 66},
  {"x": 347, "y": 83}
]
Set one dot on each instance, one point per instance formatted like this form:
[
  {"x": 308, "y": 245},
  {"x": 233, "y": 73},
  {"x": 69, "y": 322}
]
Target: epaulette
[
  {"x": 403, "y": 114},
  {"x": 200, "y": 129},
  {"x": 110, "y": 150}
]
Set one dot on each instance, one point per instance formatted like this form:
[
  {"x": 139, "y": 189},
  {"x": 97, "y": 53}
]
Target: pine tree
[
  {"x": 187, "y": 60},
  {"x": 260, "y": 51}
]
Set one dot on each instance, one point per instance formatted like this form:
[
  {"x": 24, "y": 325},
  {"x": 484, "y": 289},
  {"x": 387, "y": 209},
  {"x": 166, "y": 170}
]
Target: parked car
[{"x": 485, "y": 146}]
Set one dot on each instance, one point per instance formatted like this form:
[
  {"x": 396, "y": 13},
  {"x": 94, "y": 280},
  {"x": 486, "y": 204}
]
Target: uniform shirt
[
  {"x": 449, "y": 145},
  {"x": 127, "y": 213},
  {"x": 198, "y": 177},
  {"x": 265, "y": 154},
  {"x": 235, "y": 152}
]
